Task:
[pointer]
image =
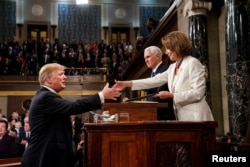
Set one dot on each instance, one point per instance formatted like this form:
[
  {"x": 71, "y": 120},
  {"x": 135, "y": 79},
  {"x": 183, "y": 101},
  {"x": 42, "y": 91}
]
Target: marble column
[
  {"x": 238, "y": 64},
  {"x": 197, "y": 13}
]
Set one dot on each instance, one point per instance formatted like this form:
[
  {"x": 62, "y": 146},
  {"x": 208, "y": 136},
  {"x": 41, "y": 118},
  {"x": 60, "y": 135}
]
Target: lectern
[
  {"x": 138, "y": 110},
  {"x": 149, "y": 144}
]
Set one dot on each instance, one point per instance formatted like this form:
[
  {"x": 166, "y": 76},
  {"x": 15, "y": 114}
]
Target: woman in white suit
[{"x": 186, "y": 80}]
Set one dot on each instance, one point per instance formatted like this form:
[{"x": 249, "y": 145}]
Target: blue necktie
[
  {"x": 152, "y": 74},
  {"x": 27, "y": 135}
]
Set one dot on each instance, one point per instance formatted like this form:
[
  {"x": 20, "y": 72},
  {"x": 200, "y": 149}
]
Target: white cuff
[{"x": 101, "y": 97}]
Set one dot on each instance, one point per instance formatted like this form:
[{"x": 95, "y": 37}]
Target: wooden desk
[
  {"x": 149, "y": 143},
  {"x": 137, "y": 111}
]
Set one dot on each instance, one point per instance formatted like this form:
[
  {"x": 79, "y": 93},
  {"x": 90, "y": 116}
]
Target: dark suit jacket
[
  {"x": 22, "y": 136},
  {"x": 163, "y": 113},
  {"x": 8, "y": 146},
  {"x": 50, "y": 142}
]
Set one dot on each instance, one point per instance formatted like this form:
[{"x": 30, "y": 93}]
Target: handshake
[{"x": 115, "y": 91}]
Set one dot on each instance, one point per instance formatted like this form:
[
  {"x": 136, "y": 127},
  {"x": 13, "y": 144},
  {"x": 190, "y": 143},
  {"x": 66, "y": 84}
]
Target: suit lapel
[
  {"x": 171, "y": 76},
  {"x": 181, "y": 72},
  {"x": 159, "y": 68}
]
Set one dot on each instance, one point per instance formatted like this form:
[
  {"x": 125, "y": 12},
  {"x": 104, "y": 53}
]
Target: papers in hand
[
  {"x": 142, "y": 97},
  {"x": 138, "y": 101}
]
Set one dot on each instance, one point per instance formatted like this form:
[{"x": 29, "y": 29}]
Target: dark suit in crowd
[{"x": 21, "y": 144}]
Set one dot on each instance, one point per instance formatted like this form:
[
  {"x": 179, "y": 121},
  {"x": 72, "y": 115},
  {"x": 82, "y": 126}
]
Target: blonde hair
[
  {"x": 178, "y": 42},
  {"x": 47, "y": 70}
]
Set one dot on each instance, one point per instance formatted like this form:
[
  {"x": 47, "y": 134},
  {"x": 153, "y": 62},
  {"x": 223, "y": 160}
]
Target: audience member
[
  {"x": 89, "y": 60},
  {"x": 139, "y": 43},
  {"x": 72, "y": 61},
  {"x": 11, "y": 126},
  {"x": 80, "y": 154},
  {"x": 25, "y": 120},
  {"x": 152, "y": 24},
  {"x": 105, "y": 61},
  {"x": 115, "y": 65},
  {"x": 24, "y": 59},
  {"x": 1, "y": 114},
  {"x": 31, "y": 63},
  {"x": 23, "y": 138},
  {"x": 77, "y": 125},
  {"x": 8, "y": 146},
  {"x": 17, "y": 127},
  {"x": 128, "y": 47},
  {"x": 14, "y": 116}
]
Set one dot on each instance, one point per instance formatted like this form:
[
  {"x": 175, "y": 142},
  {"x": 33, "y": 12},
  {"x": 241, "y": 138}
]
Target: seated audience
[
  {"x": 26, "y": 59},
  {"x": 79, "y": 154},
  {"x": 8, "y": 146},
  {"x": 23, "y": 138}
]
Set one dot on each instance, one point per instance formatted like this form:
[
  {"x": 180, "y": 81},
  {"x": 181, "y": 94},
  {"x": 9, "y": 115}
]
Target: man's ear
[{"x": 48, "y": 80}]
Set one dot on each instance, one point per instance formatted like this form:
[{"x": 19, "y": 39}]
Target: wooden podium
[
  {"x": 149, "y": 144},
  {"x": 138, "y": 111}
]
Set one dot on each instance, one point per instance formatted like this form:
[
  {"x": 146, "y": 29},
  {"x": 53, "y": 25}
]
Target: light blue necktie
[{"x": 152, "y": 74}]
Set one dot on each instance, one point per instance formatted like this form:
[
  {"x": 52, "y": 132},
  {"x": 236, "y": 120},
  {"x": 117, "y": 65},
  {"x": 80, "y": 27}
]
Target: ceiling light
[{"x": 82, "y": 1}]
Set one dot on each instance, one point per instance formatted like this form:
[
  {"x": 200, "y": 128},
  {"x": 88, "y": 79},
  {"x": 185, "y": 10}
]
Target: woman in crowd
[{"x": 8, "y": 146}]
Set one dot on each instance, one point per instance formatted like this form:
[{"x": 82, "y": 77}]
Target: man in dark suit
[
  {"x": 50, "y": 142},
  {"x": 23, "y": 138},
  {"x": 153, "y": 59}
]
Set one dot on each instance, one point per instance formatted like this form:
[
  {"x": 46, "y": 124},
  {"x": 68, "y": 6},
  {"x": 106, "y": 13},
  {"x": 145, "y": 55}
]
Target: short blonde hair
[{"x": 47, "y": 70}]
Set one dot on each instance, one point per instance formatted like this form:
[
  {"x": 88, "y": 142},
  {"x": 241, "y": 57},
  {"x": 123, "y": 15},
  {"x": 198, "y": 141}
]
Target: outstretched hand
[
  {"x": 122, "y": 84},
  {"x": 111, "y": 93}
]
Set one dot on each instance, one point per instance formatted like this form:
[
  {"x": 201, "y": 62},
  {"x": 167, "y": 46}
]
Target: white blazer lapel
[{"x": 171, "y": 76}]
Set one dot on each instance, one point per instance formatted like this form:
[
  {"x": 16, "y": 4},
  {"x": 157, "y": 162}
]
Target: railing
[
  {"x": 82, "y": 71},
  {"x": 11, "y": 162},
  {"x": 68, "y": 72},
  {"x": 88, "y": 83}
]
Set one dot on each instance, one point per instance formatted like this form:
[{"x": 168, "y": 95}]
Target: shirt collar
[
  {"x": 154, "y": 70},
  {"x": 49, "y": 89}
]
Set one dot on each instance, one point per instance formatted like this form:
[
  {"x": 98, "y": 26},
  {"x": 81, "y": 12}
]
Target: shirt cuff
[{"x": 101, "y": 97}]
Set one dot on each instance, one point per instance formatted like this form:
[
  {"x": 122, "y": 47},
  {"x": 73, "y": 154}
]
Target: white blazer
[{"x": 189, "y": 89}]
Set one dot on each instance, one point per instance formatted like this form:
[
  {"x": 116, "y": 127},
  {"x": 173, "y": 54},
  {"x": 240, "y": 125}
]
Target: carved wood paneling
[{"x": 173, "y": 154}]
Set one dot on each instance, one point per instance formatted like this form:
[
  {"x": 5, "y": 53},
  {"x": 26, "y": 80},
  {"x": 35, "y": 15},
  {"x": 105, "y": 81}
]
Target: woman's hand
[
  {"x": 111, "y": 93},
  {"x": 122, "y": 84},
  {"x": 164, "y": 95}
]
